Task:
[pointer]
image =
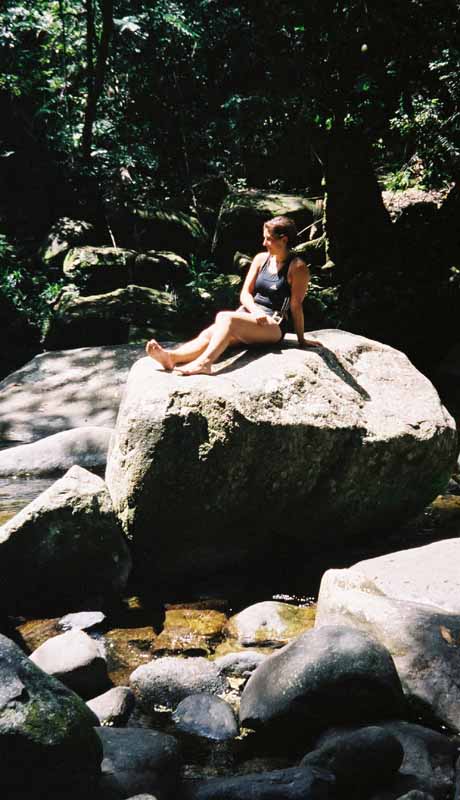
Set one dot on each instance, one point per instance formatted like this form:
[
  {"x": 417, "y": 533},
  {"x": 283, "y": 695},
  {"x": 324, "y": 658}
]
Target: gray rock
[
  {"x": 166, "y": 681},
  {"x": 113, "y": 707},
  {"x": 206, "y": 716},
  {"x": 82, "y": 620},
  {"x": 163, "y": 228},
  {"x": 76, "y": 660},
  {"x": 269, "y": 623},
  {"x": 242, "y": 215},
  {"x": 71, "y": 389},
  {"x": 99, "y": 269},
  {"x": 359, "y": 759},
  {"x": 64, "y": 549},
  {"x": 107, "y": 317},
  {"x": 428, "y": 766},
  {"x": 53, "y": 455},
  {"x": 192, "y": 456},
  {"x": 295, "y": 783},
  {"x": 410, "y": 602},
  {"x": 240, "y": 665},
  {"x": 415, "y": 794},
  {"x": 326, "y": 676},
  {"x": 47, "y": 739},
  {"x": 64, "y": 234},
  {"x": 138, "y": 761},
  {"x": 143, "y": 797},
  {"x": 160, "y": 268}
]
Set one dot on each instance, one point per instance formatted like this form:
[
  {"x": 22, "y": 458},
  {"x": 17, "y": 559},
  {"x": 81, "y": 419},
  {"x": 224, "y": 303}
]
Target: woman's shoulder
[{"x": 297, "y": 264}]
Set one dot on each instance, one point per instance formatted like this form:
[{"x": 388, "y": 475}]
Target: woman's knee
[{"x": 224, "y": 318}]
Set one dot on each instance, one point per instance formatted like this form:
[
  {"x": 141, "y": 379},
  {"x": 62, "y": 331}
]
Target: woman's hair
[{"x": 282, "y": 226}]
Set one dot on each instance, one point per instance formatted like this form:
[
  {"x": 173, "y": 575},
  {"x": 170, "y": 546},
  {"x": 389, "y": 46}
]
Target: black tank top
[{"x": 272, "y": 291}]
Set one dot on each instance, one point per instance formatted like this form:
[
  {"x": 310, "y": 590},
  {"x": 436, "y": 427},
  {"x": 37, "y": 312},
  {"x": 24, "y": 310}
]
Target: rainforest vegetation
[{"x": 109, "y": 105}]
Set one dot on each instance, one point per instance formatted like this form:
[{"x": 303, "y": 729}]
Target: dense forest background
[{"x": 113, "y": 110}]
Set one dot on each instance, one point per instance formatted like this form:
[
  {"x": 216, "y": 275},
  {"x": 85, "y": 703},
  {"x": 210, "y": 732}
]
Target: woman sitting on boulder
[{"x": 275, "y": 285}]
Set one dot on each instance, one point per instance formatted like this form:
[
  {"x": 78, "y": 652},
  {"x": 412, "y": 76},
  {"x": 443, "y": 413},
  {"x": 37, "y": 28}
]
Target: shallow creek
[{"x": 138, "y": 630}]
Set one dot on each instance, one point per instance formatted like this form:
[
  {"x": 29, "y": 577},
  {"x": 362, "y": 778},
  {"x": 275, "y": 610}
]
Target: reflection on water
[{"x": 15, "y": 493}]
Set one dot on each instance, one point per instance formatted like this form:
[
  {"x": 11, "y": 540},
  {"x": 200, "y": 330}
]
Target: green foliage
[{"x": 30, "y": 292}]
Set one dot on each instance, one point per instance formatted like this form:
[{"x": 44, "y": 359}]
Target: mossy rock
[
  {"x": 159, "y": 269},
  {"x": 106, "y": 318},
  {"x": 243, "y": 214},
  {"x": 270, "y": 624},
  {"x": 99, "y": 269},
  {"x": 47, "y": 738},
  {"x": 165, "y": 229},
  {"x": 65, "y": 234}
]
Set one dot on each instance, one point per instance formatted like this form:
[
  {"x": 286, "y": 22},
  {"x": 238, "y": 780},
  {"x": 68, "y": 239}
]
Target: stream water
[{"x": 136, "y": 631}]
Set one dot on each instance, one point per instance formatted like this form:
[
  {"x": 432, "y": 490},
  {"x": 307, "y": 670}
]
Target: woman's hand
[
  {"x": 259, "y": 316},
  {"x": 309, "y": 343}
]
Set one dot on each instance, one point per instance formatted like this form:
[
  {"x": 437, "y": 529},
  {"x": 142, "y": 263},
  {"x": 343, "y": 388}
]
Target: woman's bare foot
[
  {"x": 196, "y": 367},
  {"x": 158, "y": 353}
]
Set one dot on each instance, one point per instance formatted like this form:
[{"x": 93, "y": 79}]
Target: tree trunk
[{"x": 95, "y": 73}]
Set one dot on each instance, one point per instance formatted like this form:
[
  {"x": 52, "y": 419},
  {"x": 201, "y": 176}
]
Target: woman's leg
[
  {"x": 230, "y": 328},
  {"x": 180, "y": 355}
]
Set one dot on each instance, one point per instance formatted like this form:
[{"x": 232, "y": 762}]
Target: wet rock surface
[{"x": 269, "y": 623}]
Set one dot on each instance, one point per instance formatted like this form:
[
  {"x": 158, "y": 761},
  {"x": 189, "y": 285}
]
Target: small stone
[
  {"x": 113, "y": 707},
  {"x": 206, "y": 716},
  {"x": 270, "y": 623},
  {"x": 82, "y": 620},
  {"x": 76, "y": 660},
  {"x": 166, "y": 681},
  {"x": 240, "y": 665}
]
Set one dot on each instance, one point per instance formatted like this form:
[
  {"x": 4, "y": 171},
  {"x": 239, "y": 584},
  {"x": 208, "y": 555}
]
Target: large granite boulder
[
  {"x": 64, "y": 549},
  {"x": 241, "y": 219},
  {"x": 47, "y": 738},
  {"x": 70, "y": 389},
  {"x": 410, "y": 602},
  {"x": 319, "y": 443},
  {"x": 329, "y": 676},
  {"x": 104, "y": 319},
  {"x": 87, "y": 447}
]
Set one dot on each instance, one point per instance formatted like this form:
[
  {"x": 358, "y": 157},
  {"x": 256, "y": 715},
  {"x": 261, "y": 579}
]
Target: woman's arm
[
  {"x": 247, "y": 292},
  {"x": 299, "y": 275}
]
